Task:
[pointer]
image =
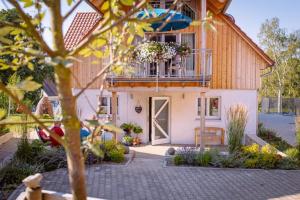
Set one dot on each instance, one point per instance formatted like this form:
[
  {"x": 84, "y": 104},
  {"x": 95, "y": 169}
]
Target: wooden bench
[{"x": 212, "y": 136}]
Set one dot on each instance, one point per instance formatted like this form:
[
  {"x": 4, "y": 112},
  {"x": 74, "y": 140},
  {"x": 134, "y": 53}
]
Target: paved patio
[{"x": 147, "y": 178}]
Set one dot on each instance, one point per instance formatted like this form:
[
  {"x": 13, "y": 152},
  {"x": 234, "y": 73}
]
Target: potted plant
[
  {"x": 137, "y": 130},
  {"x": 127, "y": 139},
  {"x": 127, "y": 127},
  {"x": 183, "y": 50}
]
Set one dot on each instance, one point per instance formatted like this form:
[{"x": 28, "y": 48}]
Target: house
[{"x": 224, "y": 69}]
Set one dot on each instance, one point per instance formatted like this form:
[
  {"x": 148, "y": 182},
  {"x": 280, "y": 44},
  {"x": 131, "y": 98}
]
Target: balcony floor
[{"x": 186, "y": 81}]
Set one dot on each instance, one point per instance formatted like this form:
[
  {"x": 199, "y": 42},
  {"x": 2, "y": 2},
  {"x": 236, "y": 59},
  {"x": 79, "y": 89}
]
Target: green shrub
[
  {"x": 178, "y": 160},
  {"x": 110, "y": 148},
  {"x": 251, "y": 163},
  {"x": 203, "y": 159},
  {"x": 236, "y": 123},
  {"x": 251, "y": 149},
  {"x": 109, "y": 145},
  {"x": 268, "y": 149},
  {"x": 287, "y": 163},
  {"x": 116, "y": 156},
  {"x": 52, "y": 159},
  {"x": 121, "y": 148},
  {"x": 12, "y": 174},
  {"x": 27, "y": 152},
  {"x": 270, "y": 136},
  {"x": 292, "y": 153},
  {"x": 268, "y": 160},
  {"x": 3, "y": 129},
  {"x": 188, "y": 154}
]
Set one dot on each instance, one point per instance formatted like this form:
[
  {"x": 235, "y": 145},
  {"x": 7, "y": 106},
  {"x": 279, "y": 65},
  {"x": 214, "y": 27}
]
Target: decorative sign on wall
[{"x": 138, "y": 108}]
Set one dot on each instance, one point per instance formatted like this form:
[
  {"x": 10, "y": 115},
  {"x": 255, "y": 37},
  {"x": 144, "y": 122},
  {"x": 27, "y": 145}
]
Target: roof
[{"x": 82, "y": 25}]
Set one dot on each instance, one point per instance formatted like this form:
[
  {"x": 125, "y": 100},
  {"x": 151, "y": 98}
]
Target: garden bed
[
  {"x": 271, "y": 137},
  {"x": 251, "y": 157}
]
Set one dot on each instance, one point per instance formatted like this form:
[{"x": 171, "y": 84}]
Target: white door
[{"x": 160, "y": 120}]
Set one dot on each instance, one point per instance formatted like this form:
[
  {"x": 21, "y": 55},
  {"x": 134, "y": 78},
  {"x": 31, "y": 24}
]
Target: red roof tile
[{"x": 82, "y": 25}]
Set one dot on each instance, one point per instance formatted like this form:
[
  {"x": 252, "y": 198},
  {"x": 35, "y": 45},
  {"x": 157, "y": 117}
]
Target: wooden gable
[{"x": 237, "y": 60}]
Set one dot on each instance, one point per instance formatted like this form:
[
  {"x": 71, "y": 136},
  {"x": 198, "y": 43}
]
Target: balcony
[{"x": 176, "y": 72}]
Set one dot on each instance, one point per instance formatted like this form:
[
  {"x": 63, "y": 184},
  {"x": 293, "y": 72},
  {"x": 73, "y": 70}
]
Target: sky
[{"x": 248, "y": 14}]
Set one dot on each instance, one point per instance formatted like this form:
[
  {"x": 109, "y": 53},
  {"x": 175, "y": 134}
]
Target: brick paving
[{"x": 149, "y": 179}]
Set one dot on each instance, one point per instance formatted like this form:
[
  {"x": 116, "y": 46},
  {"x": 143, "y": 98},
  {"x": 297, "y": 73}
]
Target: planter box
[
  {"x": 4, "y": 138},
  {"x": 52, "y": 195}
]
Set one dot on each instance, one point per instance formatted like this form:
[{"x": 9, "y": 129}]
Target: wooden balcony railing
[{"x": 175, "y": 72}]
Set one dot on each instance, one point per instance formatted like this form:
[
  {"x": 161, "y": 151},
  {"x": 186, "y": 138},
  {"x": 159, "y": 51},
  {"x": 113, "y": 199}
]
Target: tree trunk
[
  {"x": 279, "y": 101},
  {"x": 71, "y": 124}
]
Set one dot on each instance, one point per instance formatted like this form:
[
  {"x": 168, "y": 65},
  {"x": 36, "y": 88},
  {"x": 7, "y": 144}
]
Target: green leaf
[
  {"x": 98, "y": 54},
  {"x": 29, "y": 85},
  {"x": 112, "y": 128},
  {"x": 105, "y": 6},
  {"x": 98, "y": 43},
  {"x": 30, "y": 66},
  {"x": 95, "y": 148},
  {"x": 93, "y": 122},
  {"x": 27, "y": 3},
  {"x": 85, "y": 52},
  {"x": 127, "y": 2},
  {"x": 5, "y": 40},
  {"x": 130, "y": 39},
  {"x": 2, "y": 113}
]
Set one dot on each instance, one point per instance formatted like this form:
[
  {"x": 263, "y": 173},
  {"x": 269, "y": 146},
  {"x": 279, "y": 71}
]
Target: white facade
[{"x": 183, "y": 109}]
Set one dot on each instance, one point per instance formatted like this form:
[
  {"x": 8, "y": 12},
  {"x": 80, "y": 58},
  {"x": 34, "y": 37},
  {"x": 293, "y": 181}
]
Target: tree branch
[
  {"x": 31, "y": 28},
  {"x": 28, "y": 112},
  {"x": 56, "y": 26}
]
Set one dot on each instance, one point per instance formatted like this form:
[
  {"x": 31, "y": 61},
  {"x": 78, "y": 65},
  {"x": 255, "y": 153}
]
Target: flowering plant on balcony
[
  {"x": 183, "y": 50},
  {"x": 154, "y": 52}
]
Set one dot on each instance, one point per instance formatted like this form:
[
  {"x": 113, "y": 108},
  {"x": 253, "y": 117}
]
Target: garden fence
[{"x": 289, "y": 105}]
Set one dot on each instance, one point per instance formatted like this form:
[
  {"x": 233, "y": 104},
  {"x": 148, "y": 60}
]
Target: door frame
[{"x": 152, "y": 128}]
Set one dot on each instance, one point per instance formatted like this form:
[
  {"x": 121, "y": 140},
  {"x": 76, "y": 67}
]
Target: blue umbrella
[{"x": 178, "y": 20}]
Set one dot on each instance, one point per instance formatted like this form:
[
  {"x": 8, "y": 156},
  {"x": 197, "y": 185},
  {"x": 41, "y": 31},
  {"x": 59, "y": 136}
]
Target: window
[
  {"x": 212, "y": 107},
  {"x": 106, "y": 106}
]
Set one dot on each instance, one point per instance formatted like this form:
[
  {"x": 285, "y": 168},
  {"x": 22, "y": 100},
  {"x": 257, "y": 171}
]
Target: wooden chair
[{"x": 212, "y": 135}]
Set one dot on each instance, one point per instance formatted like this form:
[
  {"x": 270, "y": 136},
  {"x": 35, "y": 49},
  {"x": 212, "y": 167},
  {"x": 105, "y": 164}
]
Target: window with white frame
[
  {"x": 106, "y": 105},
  {"x": 212, "y": 107}
]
